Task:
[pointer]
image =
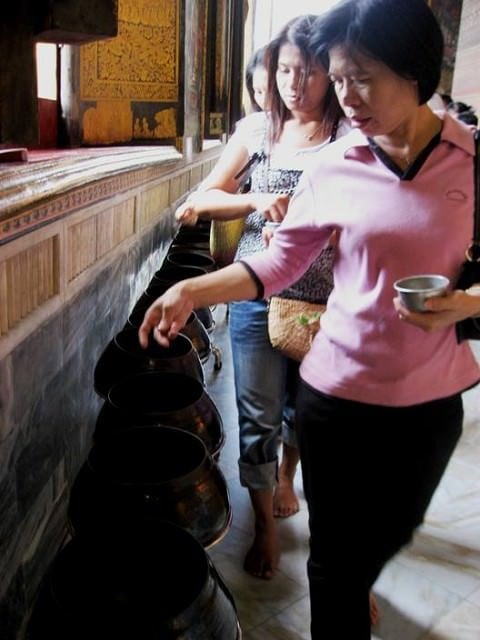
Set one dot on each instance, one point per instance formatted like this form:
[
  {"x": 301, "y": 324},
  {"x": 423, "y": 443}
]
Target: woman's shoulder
[
  {"x": 250, "y": 131},
  {"x": 252, "y": 123}
]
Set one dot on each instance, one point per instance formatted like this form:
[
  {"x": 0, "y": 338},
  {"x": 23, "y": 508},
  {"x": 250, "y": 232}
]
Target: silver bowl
[{"x": 414, "y": 290}]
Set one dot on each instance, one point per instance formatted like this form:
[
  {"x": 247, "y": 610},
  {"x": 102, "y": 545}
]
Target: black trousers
[{"x": 369, "y": 473}]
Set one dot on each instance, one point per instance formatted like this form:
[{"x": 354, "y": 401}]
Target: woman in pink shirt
[{"x": 379, "y": 410}]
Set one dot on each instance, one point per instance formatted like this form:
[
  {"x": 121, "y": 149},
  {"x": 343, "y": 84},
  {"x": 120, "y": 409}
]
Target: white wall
[{"x": 271, "y": 15}]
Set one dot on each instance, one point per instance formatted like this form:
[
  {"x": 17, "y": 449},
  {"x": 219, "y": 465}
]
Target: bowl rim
[{"x": 443, "y": 283}]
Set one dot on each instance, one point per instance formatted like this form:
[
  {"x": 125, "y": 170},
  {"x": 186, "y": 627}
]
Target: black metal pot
[
  {"x": 153, "y": 583},
  {"x": 169, "y": 274},
  {"x": 124, "y": 357},
  {"x": 192, "y": 234},
  {"x": 191, "y": 259},
  {"x": 162, "y": 398},
  {"x": 150, "y": 474},
  {"x": 194, "y": 328}
]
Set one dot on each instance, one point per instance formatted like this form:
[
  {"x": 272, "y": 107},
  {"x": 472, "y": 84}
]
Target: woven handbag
[
  {"x": 224, "y": 238},
  {"x": 292, "y": 325},
  {"x": 225, "y": 234}
]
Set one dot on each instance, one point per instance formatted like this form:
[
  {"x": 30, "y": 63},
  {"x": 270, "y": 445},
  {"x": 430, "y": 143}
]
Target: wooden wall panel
[
  {"x": 42, "y": 268},
  {"x": 115, "y": 225},
  {"x": 152, "y": 202},
  {"x": 178, "y": 186},
  {"x": 27, "y": 280},
  {"x": 81, "y": 247},
  {"x": 195, "y": 176}
]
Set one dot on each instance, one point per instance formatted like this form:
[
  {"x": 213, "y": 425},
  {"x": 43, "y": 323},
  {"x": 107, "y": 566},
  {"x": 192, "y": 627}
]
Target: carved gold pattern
[
  {"x": 165, "y": 126},
  {"x": 142, "y": 62}
]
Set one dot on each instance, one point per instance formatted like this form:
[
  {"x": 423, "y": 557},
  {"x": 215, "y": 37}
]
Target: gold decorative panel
[
  {"x": 141, "y": 63},
  {"x": 108, "y": 121}
]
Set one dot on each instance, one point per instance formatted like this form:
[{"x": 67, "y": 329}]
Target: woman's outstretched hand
[
  {"x": 186, "y": 213},
  {"x": 166, "y": 317}
]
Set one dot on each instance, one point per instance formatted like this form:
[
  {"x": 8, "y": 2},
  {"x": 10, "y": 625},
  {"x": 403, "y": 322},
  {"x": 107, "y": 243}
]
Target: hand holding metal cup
[
  {"x": 415, "y": 290},
  {"x": 271, "y": 225}
]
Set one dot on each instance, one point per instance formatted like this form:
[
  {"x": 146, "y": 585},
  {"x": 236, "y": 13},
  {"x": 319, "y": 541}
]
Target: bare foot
[
  {"x": 374, "y": 610},
  {"x": 262, "y": 558},
  {"x": 285, "y": 501}
]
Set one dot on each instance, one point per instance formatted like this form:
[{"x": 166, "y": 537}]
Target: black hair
[
  {"x": 404, "y": 35},
  {"x": 257, "y": 60},
  {"x": 458, "y": 107},
  {"x": 298, "y": 33},
  {"x": 468, "y": 117},
  {"x": 446, "y": 98}
]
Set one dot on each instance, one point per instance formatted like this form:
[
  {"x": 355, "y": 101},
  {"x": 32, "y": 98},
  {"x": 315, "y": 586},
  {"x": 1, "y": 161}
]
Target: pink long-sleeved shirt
[{"x": 388, "y": 228}]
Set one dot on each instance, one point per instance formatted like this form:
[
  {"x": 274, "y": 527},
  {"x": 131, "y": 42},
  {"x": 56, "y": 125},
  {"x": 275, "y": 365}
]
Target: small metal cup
[
  {"x": 272, "y": 226},
  {"x": 414, "y": 290}
]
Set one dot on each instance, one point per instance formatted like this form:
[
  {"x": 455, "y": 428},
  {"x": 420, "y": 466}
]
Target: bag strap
[
  {"x": 473, "y": 251},
  {"x": 247, "y": 170}
]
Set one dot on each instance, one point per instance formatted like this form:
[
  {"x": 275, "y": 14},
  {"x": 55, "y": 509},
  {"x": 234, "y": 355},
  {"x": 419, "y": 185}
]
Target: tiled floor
[{"x": 430, "y": 591}]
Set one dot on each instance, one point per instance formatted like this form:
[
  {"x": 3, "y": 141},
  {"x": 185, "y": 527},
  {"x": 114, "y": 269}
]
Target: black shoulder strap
[
  {"x": 472, "y": 253},
  {"x": 476, "y": 204}
]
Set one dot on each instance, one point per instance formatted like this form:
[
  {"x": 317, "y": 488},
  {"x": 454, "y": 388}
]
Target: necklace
[
  {"x": 405, "y": 161},
  {"x": 312, "y": 135}
]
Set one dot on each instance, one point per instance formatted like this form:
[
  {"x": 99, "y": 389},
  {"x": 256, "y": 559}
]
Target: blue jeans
[{"x": 265, "y": 382}]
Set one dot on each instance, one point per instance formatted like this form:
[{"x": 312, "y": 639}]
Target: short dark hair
[
  {"x": 404, "y": 35},
  {"x": 256, "y": 61}
]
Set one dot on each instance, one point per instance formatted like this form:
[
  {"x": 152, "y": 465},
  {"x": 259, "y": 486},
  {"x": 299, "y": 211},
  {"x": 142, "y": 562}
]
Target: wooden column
[
  {"x": 18, "y": 76},
  {"x": 195, "y": 55}
]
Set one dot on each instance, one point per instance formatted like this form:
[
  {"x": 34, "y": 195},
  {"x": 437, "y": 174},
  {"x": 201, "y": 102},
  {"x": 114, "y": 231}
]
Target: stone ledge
[{"x": 54, "y": 185}]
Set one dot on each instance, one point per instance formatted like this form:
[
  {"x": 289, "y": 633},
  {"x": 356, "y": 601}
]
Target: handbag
[
  {"x": 469, "y": 328},
  {"x": 292, "y": 325},
  {"x": 225, "y": 234},
  {"x": 224, "y": 238}
]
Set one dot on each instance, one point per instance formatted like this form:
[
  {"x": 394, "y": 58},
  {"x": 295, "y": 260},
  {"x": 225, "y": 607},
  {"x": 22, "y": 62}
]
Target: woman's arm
[
  {"x": 221, "y": 205},
  {"x": 217, "y": 196},
  {"x": 169, "y": 313}
]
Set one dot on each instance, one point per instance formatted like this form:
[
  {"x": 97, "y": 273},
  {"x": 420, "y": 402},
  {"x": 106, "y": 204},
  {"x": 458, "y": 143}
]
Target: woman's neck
[
  {"x": 405, "y": 143},
  {"x": 304, "y": 129}
]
